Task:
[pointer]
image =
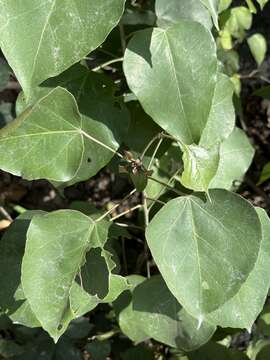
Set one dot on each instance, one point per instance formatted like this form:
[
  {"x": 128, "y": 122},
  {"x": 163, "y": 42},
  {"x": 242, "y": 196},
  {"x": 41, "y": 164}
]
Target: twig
[
  {"x": 126, "y": 212},
  {"x": 122, "y": 37},
  {"x": 156, "y": 200},
  {"x": 158, "y": 136},
  {"x": 154, "y": 154},
  {"x": 167, "y": 186},
  {"x": 116, "y": 206},
  {"x": 5, "y": 213},
  {"x": 146, "y": 223},
  {"x": 130, "y": 226},
  {"x": 107, "y": 63}
]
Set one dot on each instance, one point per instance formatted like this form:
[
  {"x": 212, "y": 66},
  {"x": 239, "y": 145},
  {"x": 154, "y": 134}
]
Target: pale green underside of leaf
[
  {"x": 242, "y": 310},
  {"x": 42, "y": 38},
  {"x": 205, "y": 248},
  {"x": 159, "y": 316},
  {"x": 173, "y": 11},
  {"x": 236, "y": 154},
  {"x": 57, "y": 246},
  {"x": 104, "y": 117}
]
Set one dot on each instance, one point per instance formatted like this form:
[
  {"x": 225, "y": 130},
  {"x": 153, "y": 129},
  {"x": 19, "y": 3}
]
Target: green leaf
[
  {"x": 212, "y": 6},
  {"x": 260, "y": 350},
  {"x": 242, "y": 310},
  {"x": 12, "y": 245},
  {"x": 156, "y": 57},
  {"x": 262, "y": 3},
  {"x": 263, "y": 92},
  {"x": 196, "y": 242},
  {"x": 239, "y": 21},
  {"x": 251, "y": 6},
  {"x": 103, "y": 115},
  {"x": 127, "y": 318},
  {"x": 229, "y": 171},
  {"x": 55, "y": 141},
  {"x": 58, "y": 243},
  {"x": 230, "y": 60},
  {"x": 99, "y": 350},
  {"x": 265, "y": 175},
  {"x": 42, "y": 39},
  {"x": 171, "y": 12},
  {"x": 214, "y": 351},
  {"x": 162, "y": 318},
  {"x": 200, "y": 166},
  {"x": 224, "y": 5},
  {"x": 258, "y": 47}
]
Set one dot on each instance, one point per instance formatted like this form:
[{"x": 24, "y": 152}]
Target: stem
[
  {"x": 154, "y": 154},
  {"x": 130, "y": 226},
  {"x": 156, "y": 200},
  {"x": 167, "y": 186},
  {"x": 122, "y": 37},
  {"x": 5, "y": 213},
  {"x": 158, "y": 136},
  {"x": 126, "y": 212},
  {"x": 103, "y": 145},
  {"x": 116, "y": 206},
  {"x": 146, "y": 223},
  {"x": 107, "y": 63}
]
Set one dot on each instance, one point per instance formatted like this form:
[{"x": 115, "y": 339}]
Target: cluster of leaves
[{"x": 168, "y": 121}]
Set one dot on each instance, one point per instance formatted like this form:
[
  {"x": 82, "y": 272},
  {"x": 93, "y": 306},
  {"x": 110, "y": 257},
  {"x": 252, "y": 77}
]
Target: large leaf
[
  {"x": 229, "y": 171},
  {"x": 56, "y": 248},
  {"x": 41, "y": 39},
  {"x": 205, "y": 248},
  {"x": 12, "y": 245},
  {"x": 55, "y": 141},
  {"x": 213, "y": 7},
  {"x": 103, "y": 115},
  {"x": 242, "y": 310},
  {"x": 171, "y": 70},
  {"x": 171, "y": 12},
  {"x": 161, "y": 317}
]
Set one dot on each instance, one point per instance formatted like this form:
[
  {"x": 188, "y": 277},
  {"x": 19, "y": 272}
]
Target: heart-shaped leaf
[
  {"x": 173, "y": 11},
  {"x": 41, "y": 39},
  {"x": 178, "y": 68},
  {"x": 242, "y": 310},
  {"x": 162, "y": 318},
  {"x": 204, "y": 248}
]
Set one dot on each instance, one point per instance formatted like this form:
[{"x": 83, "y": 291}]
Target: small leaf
[
  {"x": 265, "y": 175},
  {"x": 171, "y": 12},
  {"x": 242, "y": 310},
  {"x": 258, "y": 47},
  {"x": 41, "y": 40},
  {"x": 200, "y": 166},
  {"x": 231, "y": 172},
  {"x": 239, "y": 21},
  {"x": 264, "y": 92},
  {"x": 98, "y": 350},
  {"x": 262, "y": 3},
  {"x": 196, "y": 243},
  {"x": 212, "y": 6}
]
